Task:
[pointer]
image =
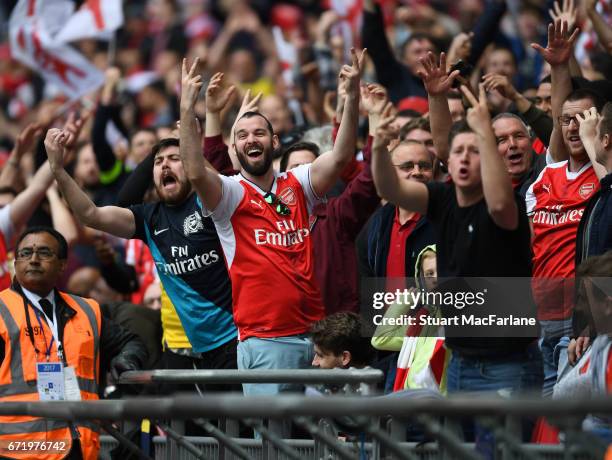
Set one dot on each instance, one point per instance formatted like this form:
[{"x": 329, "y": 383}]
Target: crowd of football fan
[{"x": 450, "y": 139}]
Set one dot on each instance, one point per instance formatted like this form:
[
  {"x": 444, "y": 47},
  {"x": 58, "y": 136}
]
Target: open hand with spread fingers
[
  {"x": 567, "y": 12},
  {"x": 560, "y": 43},
  {"x": 478, "y": 116},
  {"x": 435, "y": 77}
]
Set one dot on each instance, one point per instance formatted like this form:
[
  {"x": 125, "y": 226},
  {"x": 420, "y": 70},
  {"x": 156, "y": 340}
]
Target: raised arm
[
  {"x": 557, "y": 53},
  {"x": 496, "y": 183},
  {"x": 326, "y": 169},
  {"x": 588, "y": 133},
  {"x": 437, "y": 84},
  {"x": 602, "y": 28},
  {"x": 23, "y": 143},
  {"x": 205, "y": 181},
  {"x": 111, "y": 219},
  {"x": 407, "y": 194}
]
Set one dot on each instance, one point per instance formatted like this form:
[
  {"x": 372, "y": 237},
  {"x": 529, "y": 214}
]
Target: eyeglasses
[
  {"x": 27, "y": 253},
  {"x": 409, "y": 166},
  {"x": 565, "y": 120},
  {"x": 281, "y": 208}
]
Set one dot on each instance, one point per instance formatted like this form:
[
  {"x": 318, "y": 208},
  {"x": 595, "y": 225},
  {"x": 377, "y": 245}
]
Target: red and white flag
[
  {"x": 349, "y": 26},
  {"x": 60, "y": 65},
  {"x": 287, "y": 55},
  {"x": 94, "y": 19}
]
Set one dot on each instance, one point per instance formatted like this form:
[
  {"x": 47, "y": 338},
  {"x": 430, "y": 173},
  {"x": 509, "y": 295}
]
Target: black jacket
[
  {"x": 594, "y": 235},
  {"x": 594, "y": 238},
  {"x": 114, "y": 340},
  {"x": 373, "y": 243}
]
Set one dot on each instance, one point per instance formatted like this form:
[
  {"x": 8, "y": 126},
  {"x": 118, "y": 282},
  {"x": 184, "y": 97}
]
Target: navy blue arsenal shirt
[{"x": 190, "y": 263}]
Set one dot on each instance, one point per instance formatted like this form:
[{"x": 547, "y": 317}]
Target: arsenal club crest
[
  {"x": 287, "y": 196},
  {"x": 586, "y": 190}
]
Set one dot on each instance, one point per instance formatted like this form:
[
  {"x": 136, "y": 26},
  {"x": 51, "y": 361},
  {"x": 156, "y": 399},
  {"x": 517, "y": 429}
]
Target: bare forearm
[
  {"x": 24, "y": 205},
  {"x": 589, "y": 146},
  {"x": 521, "y": 102},
  {"x": 602, "y": 29},
  {"x": 218, "y": 48},
  {"x": 190, "y": 146},
  {"x": 496, "y": 183},
  {"x": 561, "y": 88},
  {"x": 212, "y": 124},
  {"x": 344, "y": 147},
  {"x": 61, "y": 217},
  {"x": 385, "y": 178},
  {"x": 10, "y": 171},
  {"x": 84, "y": 209},
  {"x": 441, "y": 121}
]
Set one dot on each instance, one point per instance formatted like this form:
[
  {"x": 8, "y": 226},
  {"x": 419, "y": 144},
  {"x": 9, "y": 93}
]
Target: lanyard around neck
[{"x": 52, "y": 325}]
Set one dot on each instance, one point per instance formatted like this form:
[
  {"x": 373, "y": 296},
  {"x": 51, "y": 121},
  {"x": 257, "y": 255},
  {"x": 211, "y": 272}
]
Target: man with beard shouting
[
  {"x": 262, "y": 219},
  {"x": 184, "y": 245}
]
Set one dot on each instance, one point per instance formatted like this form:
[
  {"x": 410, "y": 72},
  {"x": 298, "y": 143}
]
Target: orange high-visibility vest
[{"x": 81, "y": 344}]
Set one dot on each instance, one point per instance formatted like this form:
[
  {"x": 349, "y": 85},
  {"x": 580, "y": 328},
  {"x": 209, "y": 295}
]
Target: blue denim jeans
[
  {"x": 294, "y": 352},
  {"x": 506, "y": 377},
  {"x": 552, "y": 333}
]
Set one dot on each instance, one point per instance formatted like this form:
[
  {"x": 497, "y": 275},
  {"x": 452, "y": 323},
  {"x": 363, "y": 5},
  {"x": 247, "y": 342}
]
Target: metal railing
[
  {"x": 368, "y": 413},
  {"x": 379, "y": 422},
  {"x": 367, "y": 376}
]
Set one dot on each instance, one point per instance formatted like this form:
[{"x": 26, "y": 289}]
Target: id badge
[
  {"x": 71, "y": 385},
  {"x": 50, "y": 381}
]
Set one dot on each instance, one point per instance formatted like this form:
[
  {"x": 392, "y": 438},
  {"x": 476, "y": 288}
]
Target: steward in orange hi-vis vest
[
  {"x": 18, "y": 370},
  {"x": 50, "y": 345}
]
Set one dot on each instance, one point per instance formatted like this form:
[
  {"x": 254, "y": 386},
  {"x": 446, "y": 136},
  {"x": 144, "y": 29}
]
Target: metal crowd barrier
[
  {"x": 369, "y": 377},
  {"x": 377, "y": 424},
  {"x": 370, "y": 413}
]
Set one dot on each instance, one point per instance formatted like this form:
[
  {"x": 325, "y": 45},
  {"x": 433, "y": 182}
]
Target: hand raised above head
[
  {"x": 560, "y": 43},
  {"x": 435, "y": 77},
  {"x": 191, "y": 83},
  {"x": 218, "y": 93}
]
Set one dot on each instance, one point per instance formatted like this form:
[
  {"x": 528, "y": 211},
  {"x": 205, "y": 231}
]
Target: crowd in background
[{"x": 484, "y": 125}]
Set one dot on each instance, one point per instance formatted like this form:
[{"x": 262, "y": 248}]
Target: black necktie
[{"x": 47, "y": 308}]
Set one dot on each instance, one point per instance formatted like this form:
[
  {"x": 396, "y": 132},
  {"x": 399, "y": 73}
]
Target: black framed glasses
[
  {"x": 281, "y": 208},
  {"x": 565, "y": 120},
  {"x": 27, "y": 253}
]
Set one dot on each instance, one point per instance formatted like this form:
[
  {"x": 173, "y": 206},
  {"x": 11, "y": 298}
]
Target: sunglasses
[{"x": 281, "y": 208}]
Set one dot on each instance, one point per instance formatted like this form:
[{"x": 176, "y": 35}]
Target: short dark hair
[
  {"x": 302, "y": 145},
  {"x": 459, "y": 127},
  {"x": 546, "y": 79},
  {"x": 257, "y": 114},
  {"x": 586, "y": 93},
  {"x": 144, "y": 129},
  {"x": 605, "y": 126},
  {"x": 164, "y": 144},
  {"x": 415, "y": 123},
  {"x": 62, "y": 253},
  {"x": 418, "y": 36},
  {"x": 342, "y": 332}
]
